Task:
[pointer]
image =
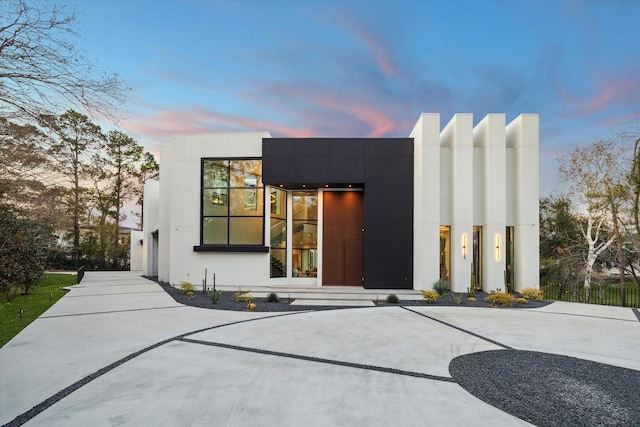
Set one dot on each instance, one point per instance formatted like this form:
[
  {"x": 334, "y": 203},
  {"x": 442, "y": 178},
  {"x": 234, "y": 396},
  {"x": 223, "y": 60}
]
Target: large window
[
  {"x": 305, "y": 234},
  {"x": 232, "y": 202},
  {"x": 278, "y": 244},
  {"x": 445, "y": 257},
  {"x": 509, "y": 258}
]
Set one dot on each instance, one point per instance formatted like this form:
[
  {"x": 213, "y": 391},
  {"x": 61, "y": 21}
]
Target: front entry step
[{"x": 338, "y": 296}]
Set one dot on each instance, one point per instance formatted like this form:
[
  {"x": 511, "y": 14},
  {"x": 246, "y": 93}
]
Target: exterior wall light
[
  {"x": 497, "y": 247},
  {"x": 464, "y": 245}
]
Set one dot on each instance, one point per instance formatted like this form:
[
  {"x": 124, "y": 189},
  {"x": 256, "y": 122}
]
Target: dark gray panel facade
[{"x": 383, "y": 167}]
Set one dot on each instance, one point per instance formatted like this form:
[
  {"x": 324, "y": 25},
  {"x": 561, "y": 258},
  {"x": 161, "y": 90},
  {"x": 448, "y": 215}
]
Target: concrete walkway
[{"x": 117, "y": 350}]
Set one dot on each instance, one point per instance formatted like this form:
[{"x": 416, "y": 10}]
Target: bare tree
[
  {"x": 41, "y": 72},
  {"x": 597, "y": 185}
]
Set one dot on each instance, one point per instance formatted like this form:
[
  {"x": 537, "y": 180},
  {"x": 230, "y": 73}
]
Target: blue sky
[{"x": 369, "y": 68}]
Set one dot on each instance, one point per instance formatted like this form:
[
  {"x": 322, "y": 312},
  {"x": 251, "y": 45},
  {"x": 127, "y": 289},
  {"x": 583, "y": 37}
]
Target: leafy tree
[
  {"x": 149, "y": 169},
  {"x": 73, "y": 140},
  {"x": 40, "y": 69},
  {"x": 23, "y": 250},
  {"x": 121, "y": 154},
  {"x": 562, "y": 253}
]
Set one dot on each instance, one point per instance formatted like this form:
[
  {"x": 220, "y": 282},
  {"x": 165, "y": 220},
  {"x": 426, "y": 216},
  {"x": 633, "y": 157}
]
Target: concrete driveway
[{"x": 117, "y": 350}]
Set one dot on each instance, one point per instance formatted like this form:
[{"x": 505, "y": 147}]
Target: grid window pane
[
  {"x": 245, "y": 231},
  {"x": 215, "y": 202},
  {"x": 245, "y": 173},
  {"x": 214, "y": 231},
  {"x": 246, "y": 202},
  {"x": 215, "y": 173}
]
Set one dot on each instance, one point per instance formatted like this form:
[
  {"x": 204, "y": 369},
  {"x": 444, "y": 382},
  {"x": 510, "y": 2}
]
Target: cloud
[
  {"x": 609, "y": 93},
  {"x": 163, "y": 123},
  {"x": 367, "y": 32}
]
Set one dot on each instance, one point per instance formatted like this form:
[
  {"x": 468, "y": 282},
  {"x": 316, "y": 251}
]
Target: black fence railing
[
  {"x": 80, "y": 274},
  {"x": 603, "y": 294}
]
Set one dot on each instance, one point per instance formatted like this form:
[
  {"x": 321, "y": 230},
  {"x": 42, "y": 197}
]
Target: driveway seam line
[
  {"x": 111, "y": 311},
  {"x": 320, "y": 360},
  {"x": 460, "y": 329},
  {"x": 52, "y": 400}
]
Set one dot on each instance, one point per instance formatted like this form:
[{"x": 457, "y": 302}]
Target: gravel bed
[
  {"x": 227, "y": 302},
  {"x": 551, "y": 390}
]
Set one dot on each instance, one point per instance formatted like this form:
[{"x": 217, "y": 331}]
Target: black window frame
[{"x": 217, "y": 247}]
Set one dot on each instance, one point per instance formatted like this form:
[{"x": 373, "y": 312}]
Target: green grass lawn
[{"x": 42, "y": 296}]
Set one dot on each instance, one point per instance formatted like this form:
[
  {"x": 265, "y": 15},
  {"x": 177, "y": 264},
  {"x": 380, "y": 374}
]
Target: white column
[
  {"x": 458, "y": 134},
  {"x": 489, "y": 135},
  {"x": 523, "y": 135},
  {"x": 426, "y": 200}
]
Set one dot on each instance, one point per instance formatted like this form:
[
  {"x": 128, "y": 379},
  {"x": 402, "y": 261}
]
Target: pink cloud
[
  {"x": 622, "y": 119},
  {"x": 609, "y": 93},
  {"x": 164, "y": 123},
  {"x": 380, "y": 51}
]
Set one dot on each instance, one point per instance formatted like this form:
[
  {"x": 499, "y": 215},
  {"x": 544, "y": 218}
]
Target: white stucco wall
[
  {"x": 135, "y": 251},
  {"x": 180, "y": 212},
  {"x": 151, "y": 223},
  {"x": 487, "y": 176}
]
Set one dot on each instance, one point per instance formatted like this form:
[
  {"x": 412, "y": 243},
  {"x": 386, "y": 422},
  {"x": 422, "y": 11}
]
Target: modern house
[{"x": 458, "y": 203}]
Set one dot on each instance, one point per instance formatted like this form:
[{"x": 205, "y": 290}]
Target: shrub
[
  {"x": 532, "y": 294},
  {"x": 272, "y": 297},
  {"x": 190, "y": 295},
  {"x": 440, "y": 286},
  {"x": 500, "y": 298},
  {"x": 472, "y": 299},
  {"x": 186, "y": 287},
  {"x": 522, "y": 301},
  {"x": 251, "y": 306},
  {"x": 457, "y": 298},
  {"x": 430, "y": 296},
  {"x": 392, "y": 299},
  {"x": 243, "y": 296}
]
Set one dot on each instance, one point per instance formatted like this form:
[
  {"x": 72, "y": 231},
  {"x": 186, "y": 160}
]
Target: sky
[{"x": 369, "y": 68}]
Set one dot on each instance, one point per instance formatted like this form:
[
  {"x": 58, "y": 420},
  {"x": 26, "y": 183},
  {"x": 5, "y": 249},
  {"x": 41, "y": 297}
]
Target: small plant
[
  {"x": 190, "y": 295},
  {"x": 472, "y": 299},
  {"x": 392, "y": 299},
  {"x": 243, "y": 296},
  {"x": 500, "y": 298},
  {"x": 457, "y": 298},
  {"x": 440, "y": 286},
  {"x": 186, "y": 287},
  {"x": 215, "y": 294},
  {"x": 251, "y": 306},
  {"x": 272, "y": 297},
  {"x": 532, "y": 294},
  {"x": 204, "y": 282},
  {"x": 429, "y": 296},
  {"x": 471, "y": 292},
  {"x": 522, "y": 301}
]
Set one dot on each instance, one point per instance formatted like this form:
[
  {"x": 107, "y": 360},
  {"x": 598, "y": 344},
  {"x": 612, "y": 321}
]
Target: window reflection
[
  {"x": 305, "y": 234},
  {"x": 232, "y": 202}
]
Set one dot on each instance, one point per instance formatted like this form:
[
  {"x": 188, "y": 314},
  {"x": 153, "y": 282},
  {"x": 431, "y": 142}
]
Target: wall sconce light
[
  {"x": 464, "y": 245},
  {"x": 497, "y": 247}
]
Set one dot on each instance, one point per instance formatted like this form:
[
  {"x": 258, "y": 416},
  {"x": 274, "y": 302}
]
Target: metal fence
[
  {"x": 603, "y": 294},
  {"x": 80, "y": 274}
]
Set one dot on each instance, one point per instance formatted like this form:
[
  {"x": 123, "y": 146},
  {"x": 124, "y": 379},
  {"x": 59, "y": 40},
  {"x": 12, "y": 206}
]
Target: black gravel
[
  {"x": 227, "y": 302},
  {"x": 551, "y": 390}
]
